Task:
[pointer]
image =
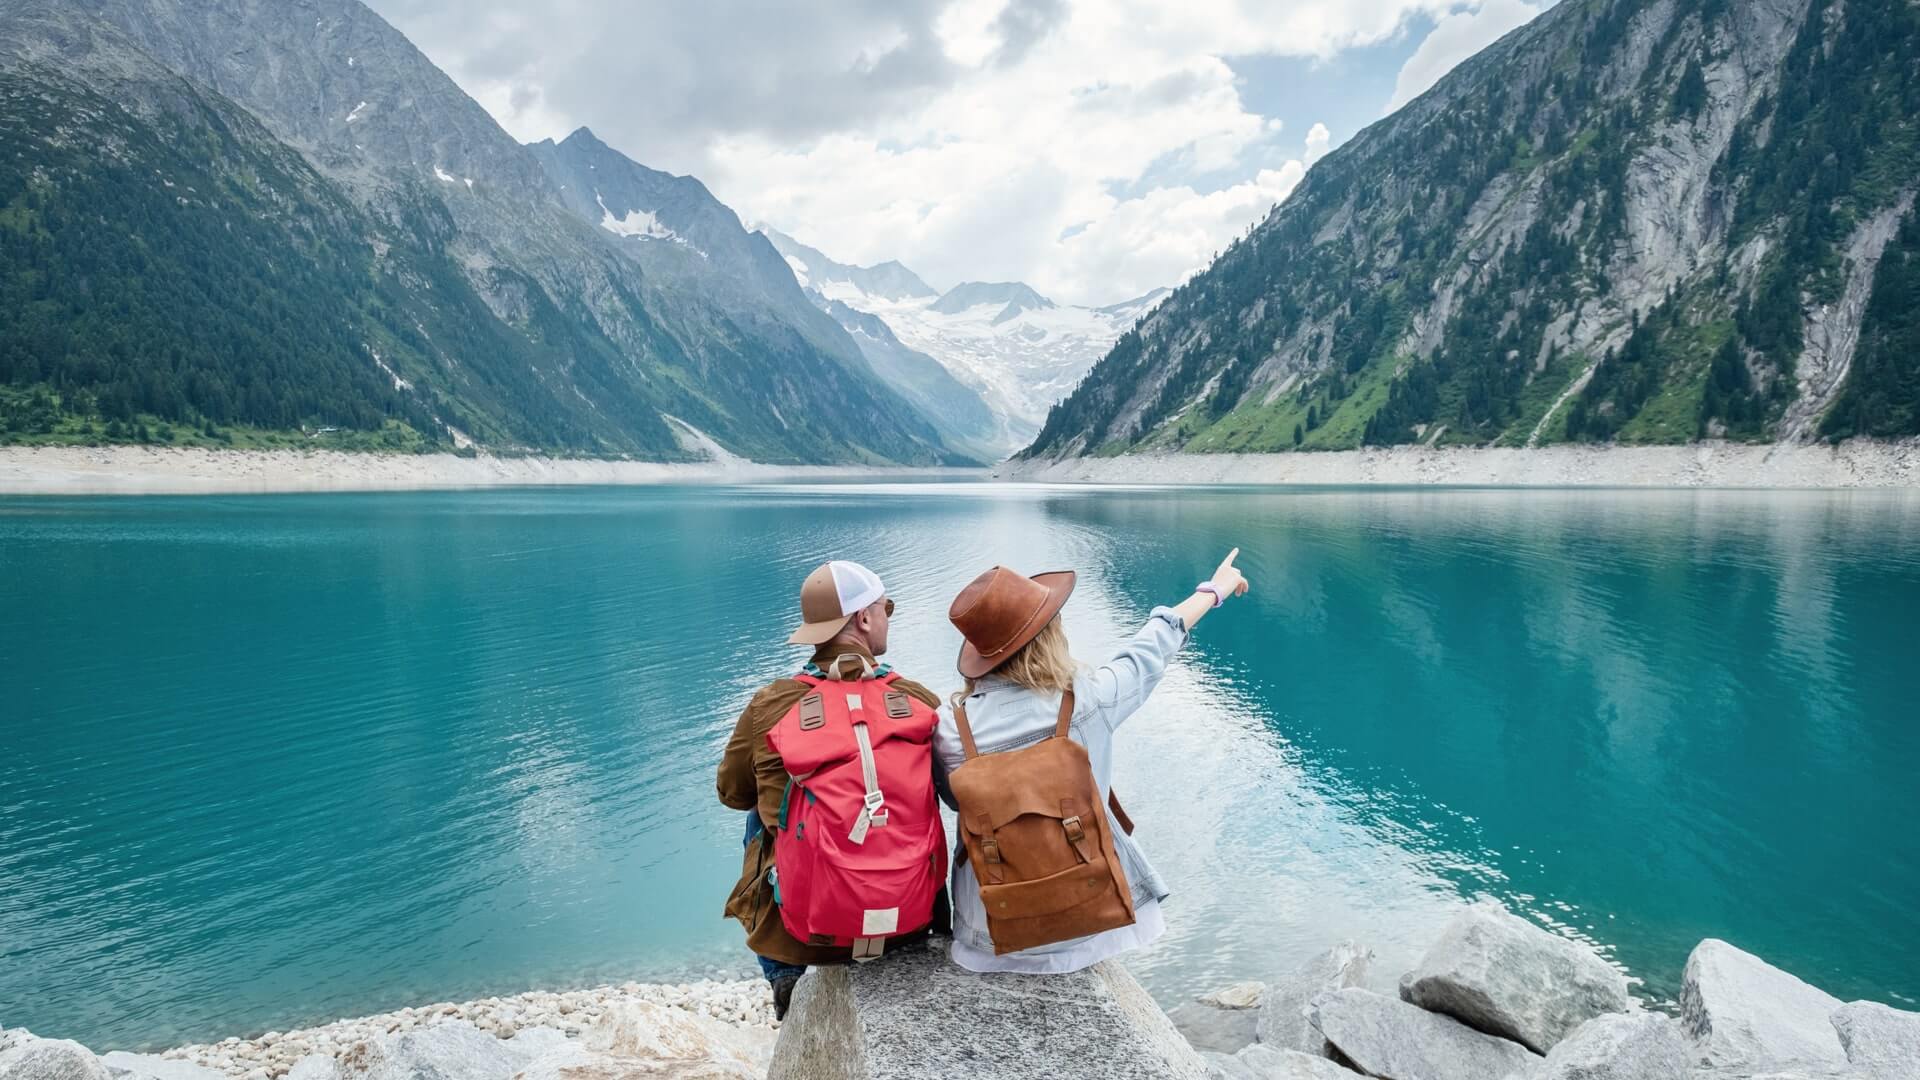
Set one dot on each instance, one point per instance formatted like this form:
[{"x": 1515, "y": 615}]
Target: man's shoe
[{"x": 783, "y": 995}]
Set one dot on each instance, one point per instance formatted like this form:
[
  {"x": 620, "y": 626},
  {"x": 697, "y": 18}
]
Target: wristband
[{"x": 1213, "y": 590}]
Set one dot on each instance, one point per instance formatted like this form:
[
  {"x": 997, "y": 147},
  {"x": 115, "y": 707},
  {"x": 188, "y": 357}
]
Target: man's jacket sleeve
[{"x": 739, "y": 788}]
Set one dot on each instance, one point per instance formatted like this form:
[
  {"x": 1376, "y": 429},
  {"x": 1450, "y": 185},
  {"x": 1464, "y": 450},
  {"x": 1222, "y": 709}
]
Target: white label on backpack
[
  {"x": 880, "y": 921},
  {"x": 854, "y": 701}
]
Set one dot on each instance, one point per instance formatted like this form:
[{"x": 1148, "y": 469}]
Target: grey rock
[
  {"x": 1241, "y": 995},
  {"x": 450, "y": 1051},
  {"x": 1265, "y": 1063},
  {"x": 25, "y": 1056},
  {"x": 1620, "y": 1046},
  {"x": 1392, "y": 1039},
  {"x": 871, "y": 1021},
  {"x": 125, "y": 1066},
  {"x": 1880, "y": 1039},
  {"x": 1744, "y": 1012},
  {"x": 314, "y": 1067},
  {"x": 1220, "y": 1030},
  {"x": 1283, "y": 1021},
  {"x": 676, "y": 1041},
  {"x": 1505, "y": 976}
]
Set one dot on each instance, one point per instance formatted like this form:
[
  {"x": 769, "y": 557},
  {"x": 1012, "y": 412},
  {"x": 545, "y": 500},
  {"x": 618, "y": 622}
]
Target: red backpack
[{"x": 859, "y": 852}]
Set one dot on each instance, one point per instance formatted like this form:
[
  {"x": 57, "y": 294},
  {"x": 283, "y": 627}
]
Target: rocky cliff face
[
  {"x": 503, "y": 306},
  {"x": 1625, "y": 221}
]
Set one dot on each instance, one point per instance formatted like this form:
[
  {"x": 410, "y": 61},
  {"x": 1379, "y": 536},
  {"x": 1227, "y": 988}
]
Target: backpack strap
[
  {"x": 969, "y": 750},
  {"x": 1066, "y": 715}
]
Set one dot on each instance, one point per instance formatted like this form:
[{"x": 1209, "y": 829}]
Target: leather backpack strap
[
  {"x": 1066, "y": 716},
  {"x": 966, "y": 733},
  {"x": 1120, "y": 817}
]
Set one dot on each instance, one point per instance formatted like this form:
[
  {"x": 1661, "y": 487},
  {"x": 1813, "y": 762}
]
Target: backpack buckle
[
  {"x": 990, "y": 848},
  {"x": 1075, "y": 833}
]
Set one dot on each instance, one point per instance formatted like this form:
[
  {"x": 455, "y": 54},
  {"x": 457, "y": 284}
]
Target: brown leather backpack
[{"x": 1040, "y": 840}]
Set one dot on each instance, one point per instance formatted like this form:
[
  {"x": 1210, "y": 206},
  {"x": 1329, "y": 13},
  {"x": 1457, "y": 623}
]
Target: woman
[{"x": 1017, "y": 669}]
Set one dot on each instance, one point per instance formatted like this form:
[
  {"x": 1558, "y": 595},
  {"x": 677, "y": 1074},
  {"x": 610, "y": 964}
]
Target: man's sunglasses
[{"x": 889, "y": 602}]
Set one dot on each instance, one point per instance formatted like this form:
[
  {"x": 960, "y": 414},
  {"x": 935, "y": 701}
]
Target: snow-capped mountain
[{"x": 1020, "y": 350}]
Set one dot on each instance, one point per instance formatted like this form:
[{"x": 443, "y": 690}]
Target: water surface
[{"x": 273, "y": 760}]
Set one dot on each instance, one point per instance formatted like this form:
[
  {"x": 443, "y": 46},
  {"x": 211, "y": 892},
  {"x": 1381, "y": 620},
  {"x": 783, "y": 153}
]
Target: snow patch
[
  {"x": 358, "y": 111},
  {"x": 799, "y": 270},
  {"x": 641, "y": 224},
  {"x": 444, "y": 175}
]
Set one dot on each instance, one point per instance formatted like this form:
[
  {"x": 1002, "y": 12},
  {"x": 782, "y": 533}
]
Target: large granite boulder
[
  {"x": 1283, "y": 1022},
  {"x": 1209, "y": 1027},
  {"x": 1743, "y": 1012},
  {"x": 1507, "y": 977},
  {"x": 1620, "y": 1046},
  {"x": 913, "y": 1014},
  {"x": 677, "y": 1042},
  {"x": 456, "y": 1050},
  {"x": 1259, "y": 1062},
  {"x": 1882, "y": 1040},
  {"x": 124, "y": 1066},
  {"x": 1388, "y": 1038},
  {"x": 26, "y": 1056}
]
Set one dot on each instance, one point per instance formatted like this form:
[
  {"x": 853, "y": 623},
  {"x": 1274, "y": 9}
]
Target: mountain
[
  {"x": 888, "y": 280},
  {"x": 1013, "y": 348},
  {"x": 409, "y": 270},
  {"x": 1625, "y": 221},
  {"x": 957, "y": 411}
]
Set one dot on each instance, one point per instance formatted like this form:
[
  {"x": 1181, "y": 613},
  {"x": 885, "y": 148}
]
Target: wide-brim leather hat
[{"x": 1001, "y": 610}]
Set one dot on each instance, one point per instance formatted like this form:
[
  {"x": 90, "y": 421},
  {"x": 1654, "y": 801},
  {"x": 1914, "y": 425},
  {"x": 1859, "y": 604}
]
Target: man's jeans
[{"x": 772, "y": 969}]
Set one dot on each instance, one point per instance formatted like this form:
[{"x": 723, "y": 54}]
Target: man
[{"x": 845, "y": 614}]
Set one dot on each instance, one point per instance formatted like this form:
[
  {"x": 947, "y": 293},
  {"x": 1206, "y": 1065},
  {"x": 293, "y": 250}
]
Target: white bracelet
[{"x": 1213, "y": 590}]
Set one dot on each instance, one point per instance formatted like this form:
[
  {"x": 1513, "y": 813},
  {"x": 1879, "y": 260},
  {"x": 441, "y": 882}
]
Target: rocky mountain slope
[
  {"x": 1627, "y": 221},
  {"x": 1018, "y": 351},
  {"x": 409, "y": 269}
]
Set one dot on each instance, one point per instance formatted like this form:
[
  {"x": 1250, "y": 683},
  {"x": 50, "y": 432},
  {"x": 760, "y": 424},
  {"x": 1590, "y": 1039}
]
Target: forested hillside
[
  {"x": 234, "y": 222},
  {"x": 1625, "y": 221}
]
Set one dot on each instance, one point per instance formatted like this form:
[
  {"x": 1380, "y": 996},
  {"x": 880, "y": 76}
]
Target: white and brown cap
[{"x": 832, "y": 594}]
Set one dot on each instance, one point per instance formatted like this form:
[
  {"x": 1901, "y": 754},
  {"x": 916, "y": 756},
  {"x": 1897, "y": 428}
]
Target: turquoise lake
[{"x": 269, "y": 761}]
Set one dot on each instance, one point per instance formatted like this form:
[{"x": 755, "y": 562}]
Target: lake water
[{"x": 269, "y": 761}]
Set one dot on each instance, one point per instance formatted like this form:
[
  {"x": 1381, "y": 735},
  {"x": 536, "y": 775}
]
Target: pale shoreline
[
  {"x": 1856, "y": 463},
  {"x": 145, "y": 470}
]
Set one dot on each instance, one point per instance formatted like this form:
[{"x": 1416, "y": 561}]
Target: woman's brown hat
[{"x": 1002, "y": 610}]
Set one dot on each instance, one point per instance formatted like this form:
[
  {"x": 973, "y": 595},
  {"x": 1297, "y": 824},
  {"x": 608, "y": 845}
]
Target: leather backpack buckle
[
  {"x": 990, "y": 848},
  {"x": 1075, "y": 833}
]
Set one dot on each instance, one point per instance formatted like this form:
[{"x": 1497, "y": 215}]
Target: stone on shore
[
  {"x": 456, "y": 1050},
  {"x": 314, "y": 1067},
  {"x": 124, "y": 1066},
  {"x": 1260, "y": 1062},
  {"x": 1620, "y": 1046},
  {"x": 1392, "y": 1039},
  {"x": 1505, "y": 976},
  {"x": 1241, "y": 995},
  {"x": 26, "y": 1056},
  {"x": 913, "y": 1014},
  {"x": 1882, "y": 1040},
  {"x": 1211, "y": 1028},
  {"x": 693, "y": 1044},
  {"x": 1283, "y": 1023},
  {"x": 1744, "y": 1012}
]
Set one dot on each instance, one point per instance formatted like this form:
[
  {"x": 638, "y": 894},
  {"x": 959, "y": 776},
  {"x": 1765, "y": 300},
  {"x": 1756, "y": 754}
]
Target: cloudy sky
[{"x": 1092, "y": 148}]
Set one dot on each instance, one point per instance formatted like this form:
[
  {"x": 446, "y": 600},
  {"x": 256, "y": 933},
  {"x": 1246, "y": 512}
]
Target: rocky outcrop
[
  {"x": 1259, "y": 1062},
  {"x": 1388, "y": 1038},
  {"x": 1284, "y": 1022},
  {"x": 1620, "y": 1046},
  {"x": 876, "y": 1022},
  {"x": 24, "y": 1057},
  {"x": 1744, "y": 1012},
  {"x": 125, "y": 1066},
  {"x": 1884, "y": 1041},
  {"x": 1505, "y": 976}
]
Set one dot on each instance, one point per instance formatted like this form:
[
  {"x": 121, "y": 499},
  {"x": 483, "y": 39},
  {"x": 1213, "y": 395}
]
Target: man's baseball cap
[{"x": 832, "y": 594}]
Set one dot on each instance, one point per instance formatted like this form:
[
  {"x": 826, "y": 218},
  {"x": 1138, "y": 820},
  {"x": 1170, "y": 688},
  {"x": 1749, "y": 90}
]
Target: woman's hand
[{"x": 1228, "y": 578}]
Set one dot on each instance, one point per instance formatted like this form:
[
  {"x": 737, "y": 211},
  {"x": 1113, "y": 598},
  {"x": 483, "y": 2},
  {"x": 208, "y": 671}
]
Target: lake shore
[
  {"x": 144, "y": 470},
  {"x": 1856, "y": 463}
]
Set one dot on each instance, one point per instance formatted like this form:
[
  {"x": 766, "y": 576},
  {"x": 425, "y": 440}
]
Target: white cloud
[
  {"x": 971, "y": 139},
  {"x": 1454, "y": 38}
]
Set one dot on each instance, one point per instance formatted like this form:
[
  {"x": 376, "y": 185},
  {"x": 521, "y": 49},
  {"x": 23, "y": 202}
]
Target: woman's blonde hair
[{"x": 1045, "y": 664}]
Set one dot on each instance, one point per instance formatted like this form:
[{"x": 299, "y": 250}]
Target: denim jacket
[{"x": 1004, "y": 716}]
